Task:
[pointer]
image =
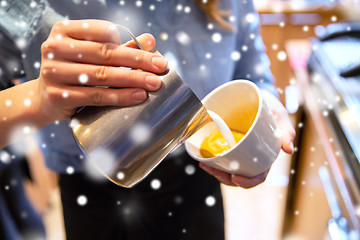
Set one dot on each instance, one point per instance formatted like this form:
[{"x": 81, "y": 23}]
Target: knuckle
[
  {"x": 112, "y": 34},
  {"x": 107, "y": 51},
  {"x": 101, "y": 73},
  {"x": 53, "y": 94},
  {"x": 44, "y": 46},
  {"x": 56, "y": 28},
  {"x": 141, "y": 57},
  {"x": 46, "y": 69},
  {"x": 96, "y": 98},
  {"x": 132, "y": 76},
  {"x": 58, "y": 25},
  {"x": 48, "y": 47}
]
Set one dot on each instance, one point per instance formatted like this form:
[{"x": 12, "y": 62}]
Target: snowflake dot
[
  {"x": 120, "y": 175},
  {"x": 189, "y": 169},
  {"x": 27, "y": 102},
  {"x": 82, "y": 200},
  {"x": 250, "y": 18},
  {"x": 36, "y": 64},
  {"x": 70, "y": 170},
  {"x": 85, "y": 25},
  {"x": 278, "y": 133},
  {"x": 65, "y": 94},
  {"x": 140, "y": 133},
  {"x": 26, "y": 130},
  {"x": 8, "y": 103},
  {"x": 21, "y": 43},
  {"x": 216, "y": 37},
  {"x": 50, "y": 56},
  {"x": 83, "y": 78},
  {"x": 138, "y": 3},
  {"x": 74, "y": 123},
  {"x": 164, "y": 36},
  {"x": 155, "y": 184},
  {"x": 5, "y": 157},
  {"x": 281, "y": 56},
  {"x": 234, "y": 165},
  {"x": 183, "y": 38},
  {"x": 179, "y": 7},
  {"x": 235, "y": 55},
  {"x": 210, "y": 201}
]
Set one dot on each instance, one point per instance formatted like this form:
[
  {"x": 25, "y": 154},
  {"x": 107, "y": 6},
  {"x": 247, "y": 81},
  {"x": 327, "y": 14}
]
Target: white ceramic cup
[{"x": 242, "y": 106}]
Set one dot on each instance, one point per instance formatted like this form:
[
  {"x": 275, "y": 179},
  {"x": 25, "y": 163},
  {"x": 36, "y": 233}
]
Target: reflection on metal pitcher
[{"x": 141, "y": 136}]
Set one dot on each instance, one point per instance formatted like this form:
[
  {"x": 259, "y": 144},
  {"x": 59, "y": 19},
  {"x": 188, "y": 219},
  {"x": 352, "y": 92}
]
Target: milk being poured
[{"x": 223, "y": 128}]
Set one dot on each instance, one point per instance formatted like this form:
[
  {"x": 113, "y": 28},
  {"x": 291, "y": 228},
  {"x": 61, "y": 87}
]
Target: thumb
[{"x": 146, "y": 40}]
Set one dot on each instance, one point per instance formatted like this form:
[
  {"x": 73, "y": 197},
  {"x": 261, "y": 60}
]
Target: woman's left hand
[{"x": 288, "y": 134}]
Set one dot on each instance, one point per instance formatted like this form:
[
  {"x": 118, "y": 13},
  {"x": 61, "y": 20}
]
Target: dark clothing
[
  {"x": 174, "y": 211},
  {"x": 18, "y": 219}
]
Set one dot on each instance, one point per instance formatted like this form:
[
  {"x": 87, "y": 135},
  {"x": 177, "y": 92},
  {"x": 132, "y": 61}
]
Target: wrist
[{"x": 20, "y": 116}]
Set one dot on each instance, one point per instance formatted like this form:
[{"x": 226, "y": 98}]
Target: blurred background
[{"x": 314, "y": 48}]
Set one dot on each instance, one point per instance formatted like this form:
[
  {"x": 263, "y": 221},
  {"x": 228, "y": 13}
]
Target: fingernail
[
  {"x": 160, "y": 62},
  {"x": 139, "y": 95},
  {"x": 153, "y": 82},
  {"x": 291, "y": 144}
]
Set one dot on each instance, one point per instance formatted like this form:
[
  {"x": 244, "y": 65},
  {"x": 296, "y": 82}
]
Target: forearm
[{"x": 20, "y": 114}]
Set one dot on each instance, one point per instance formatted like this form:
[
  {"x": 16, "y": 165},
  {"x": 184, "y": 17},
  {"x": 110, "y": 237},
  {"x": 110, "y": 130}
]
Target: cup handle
[{"x": 131, "y": 35}]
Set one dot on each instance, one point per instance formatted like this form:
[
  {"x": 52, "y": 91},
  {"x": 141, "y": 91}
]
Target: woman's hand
[
  {"x": 80, "y": 66},
  {"x": 81, "y": 58},
  {"x": 283, "y": 121},
  {"x": 288, "y": 134}
]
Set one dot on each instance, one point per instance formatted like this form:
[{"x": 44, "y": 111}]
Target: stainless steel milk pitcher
[{"x": 139, "y": 137}]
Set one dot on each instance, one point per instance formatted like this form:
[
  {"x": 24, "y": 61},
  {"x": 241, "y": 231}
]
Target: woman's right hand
[{"x": 81, "y": 58}]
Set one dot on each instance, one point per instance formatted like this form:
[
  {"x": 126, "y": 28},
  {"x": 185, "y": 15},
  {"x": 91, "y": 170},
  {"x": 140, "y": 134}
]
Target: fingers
[
  {"x": 246, "y": 182},
  {"x": 95, "y": 96},
  {"x": 89, "y": 30},
  {"x": 221, "y": 176},
  {"x": 82, "y": 57},
  {"x": 66, "y": 73},
  {"x": 288, "y": 132},
  {"x": 146, "y": 40},
  {"x": 287, "y": 142},
  {"x": 283, "y": 121},
  {"x": 235, "y": 180},
  {"x": 108, "y": 54}
]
